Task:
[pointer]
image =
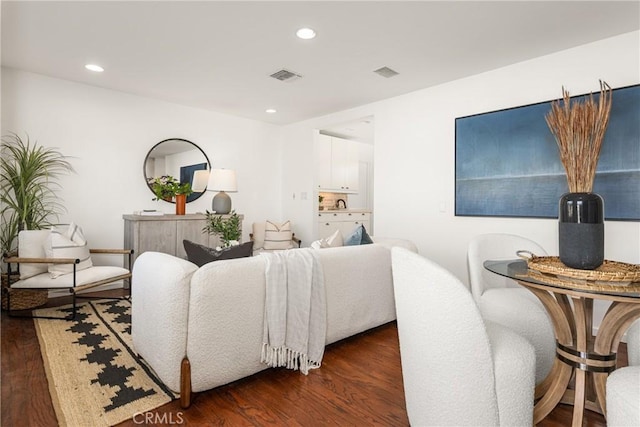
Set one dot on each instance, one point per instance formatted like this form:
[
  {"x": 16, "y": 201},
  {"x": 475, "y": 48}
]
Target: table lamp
[
  {"x": 222, "y": 180},
  {"x": 200, "y": 180}
]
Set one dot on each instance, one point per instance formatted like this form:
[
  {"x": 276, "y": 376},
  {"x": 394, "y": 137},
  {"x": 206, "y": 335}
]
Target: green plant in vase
[
  {"x": 167, "y": 187},
  {"x": 227, "y": 228},
  {"x": 28, "y": 179}
]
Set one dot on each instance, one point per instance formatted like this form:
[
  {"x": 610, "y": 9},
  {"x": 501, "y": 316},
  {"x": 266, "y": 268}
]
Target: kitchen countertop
[{"x": 344, "y": 210}]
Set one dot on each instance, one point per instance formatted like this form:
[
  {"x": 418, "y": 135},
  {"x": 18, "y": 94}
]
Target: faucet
[{"x": 344, "y": 204}]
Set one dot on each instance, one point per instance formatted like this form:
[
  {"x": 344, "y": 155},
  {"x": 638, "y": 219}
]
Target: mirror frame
[{"x": 192, "y": 196}]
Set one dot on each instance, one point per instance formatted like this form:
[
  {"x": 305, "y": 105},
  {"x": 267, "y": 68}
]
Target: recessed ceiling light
[
  {"x": 270, "y": 110},
  {"x": 94, "y": 67},
  {"x": 305, "y": 33}
]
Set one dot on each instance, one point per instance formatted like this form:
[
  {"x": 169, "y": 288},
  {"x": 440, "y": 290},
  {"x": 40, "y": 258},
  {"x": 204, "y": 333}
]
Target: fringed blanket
[{"x": 295, "y": 316}]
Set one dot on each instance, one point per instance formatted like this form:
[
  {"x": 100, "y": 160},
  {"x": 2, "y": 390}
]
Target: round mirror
[{"x": 178, "y": 158}]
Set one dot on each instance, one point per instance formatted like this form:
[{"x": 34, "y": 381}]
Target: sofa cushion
[
  {"x": 67, "y": 241},
  {"x": 86, "y": 276},
  {"x": 277, "y": 236},
  {"x": 359, "y": 236},
  {"x": 201, "y": 255}
]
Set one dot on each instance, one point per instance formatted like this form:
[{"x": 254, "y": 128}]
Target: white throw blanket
[{"x": 295, "y": 314}]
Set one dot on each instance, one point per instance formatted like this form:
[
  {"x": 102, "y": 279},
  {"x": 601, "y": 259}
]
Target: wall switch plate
[{"x": 303, "y": 195}]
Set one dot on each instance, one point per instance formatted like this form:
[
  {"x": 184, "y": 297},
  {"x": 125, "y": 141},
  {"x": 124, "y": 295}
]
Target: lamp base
[{"x": 221, "y": 203}]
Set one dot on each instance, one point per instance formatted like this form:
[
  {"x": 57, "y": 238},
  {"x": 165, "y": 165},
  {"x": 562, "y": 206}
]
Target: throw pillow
[
  {"x": 333, "y": 241},
  {"x": 277, "y": 236},
  {"x": 201, "y": 255},
  {"x": 359, "y": 236},
  {"x": 31, "y": 244},
  {"x": 67, "y": 242}
]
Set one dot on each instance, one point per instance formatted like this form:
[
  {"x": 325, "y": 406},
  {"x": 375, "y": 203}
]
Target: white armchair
[
  {"x": 623, "y": 386},
  {"x": 66, "y": 266},
  {"x": 503, "y": 301},
  {"x": 272, "y": 236},
  {"x": 457, "y": 368}
]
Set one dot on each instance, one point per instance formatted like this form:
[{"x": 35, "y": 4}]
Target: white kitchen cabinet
[
  {"x": 324, "y": 162},
  {"x": 346, "y": 222},
  {"x": 344, "y": 165},
  {"x": 337, "y": 165}
]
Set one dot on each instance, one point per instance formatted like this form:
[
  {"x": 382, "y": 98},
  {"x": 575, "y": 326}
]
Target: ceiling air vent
[
  {"x": 285, "y": 75},
  {"x": 386, "y": 72}
]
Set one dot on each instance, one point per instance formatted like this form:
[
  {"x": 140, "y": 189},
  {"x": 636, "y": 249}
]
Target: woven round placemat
[
  {"x": 587, "y": 285},
  {"x": 616, "y": 272}
]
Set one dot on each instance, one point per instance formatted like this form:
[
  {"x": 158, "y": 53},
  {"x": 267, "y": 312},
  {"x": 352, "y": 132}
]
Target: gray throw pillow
[
  {"x": 359, "y": 236},
  {"x": 201, "y": 255}
]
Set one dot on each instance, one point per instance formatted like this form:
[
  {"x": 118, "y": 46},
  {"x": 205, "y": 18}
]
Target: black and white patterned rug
[{"x": 95, "y": 377}]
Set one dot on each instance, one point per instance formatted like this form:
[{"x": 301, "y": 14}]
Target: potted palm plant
[{"x": 28, "y": 180}]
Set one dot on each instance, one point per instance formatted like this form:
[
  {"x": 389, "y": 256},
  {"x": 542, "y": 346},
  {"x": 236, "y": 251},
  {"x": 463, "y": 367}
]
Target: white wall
[
  {"x": 109, "y": 133},
  {"x": 415, "y": 150}
]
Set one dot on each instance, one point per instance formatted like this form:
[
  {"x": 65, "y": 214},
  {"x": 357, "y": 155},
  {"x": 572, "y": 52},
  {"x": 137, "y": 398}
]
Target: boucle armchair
[
  {"x": 623, "y": 386},
  {"x": 503, "y": 301},
  {"x": 268, "y": 236},
  {"x": 457, "y": 368}
]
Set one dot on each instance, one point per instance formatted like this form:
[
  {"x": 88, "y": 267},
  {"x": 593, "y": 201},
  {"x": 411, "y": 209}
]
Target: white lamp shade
[
  {"x": 200, "y": 180},
  {"x": 222, "y": 180}
]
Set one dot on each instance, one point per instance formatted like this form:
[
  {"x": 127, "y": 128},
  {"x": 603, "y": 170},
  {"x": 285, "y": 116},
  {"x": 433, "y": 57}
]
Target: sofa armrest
[
  {"x": 226, "y": 315},
  {"x": 159, "y": 312}
]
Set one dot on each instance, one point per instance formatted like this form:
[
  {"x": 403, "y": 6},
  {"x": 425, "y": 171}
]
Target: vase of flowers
[
  {"x": 169, "y": 189},
  {"x": 579, "y": 130}
]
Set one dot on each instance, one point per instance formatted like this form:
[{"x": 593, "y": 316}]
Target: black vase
[{"x": 581, "y": 226}]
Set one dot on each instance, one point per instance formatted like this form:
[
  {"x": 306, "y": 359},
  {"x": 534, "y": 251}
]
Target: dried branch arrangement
[{"x": 579, "y": 130}]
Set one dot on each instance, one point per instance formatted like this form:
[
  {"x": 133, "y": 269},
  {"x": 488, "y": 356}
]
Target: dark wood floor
[{"x": 360, "y": 383}]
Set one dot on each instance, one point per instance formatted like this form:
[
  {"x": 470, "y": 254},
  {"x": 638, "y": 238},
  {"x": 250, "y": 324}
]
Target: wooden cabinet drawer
[{"x": 346, "y": 222}]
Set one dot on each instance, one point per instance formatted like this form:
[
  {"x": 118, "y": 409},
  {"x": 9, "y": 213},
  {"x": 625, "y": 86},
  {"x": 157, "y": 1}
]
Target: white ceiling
[{"x": 219, "y": 55}]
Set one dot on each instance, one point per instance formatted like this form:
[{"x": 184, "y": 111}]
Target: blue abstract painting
[{"x": 508, "y": 164}]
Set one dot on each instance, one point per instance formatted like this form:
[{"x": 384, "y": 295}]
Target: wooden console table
[
  {"x": 164, "y": 233},
  {"x": 587, "y": 358}
]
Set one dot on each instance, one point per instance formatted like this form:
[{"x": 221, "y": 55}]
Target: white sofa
[{"x": 201, "y": 328}]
